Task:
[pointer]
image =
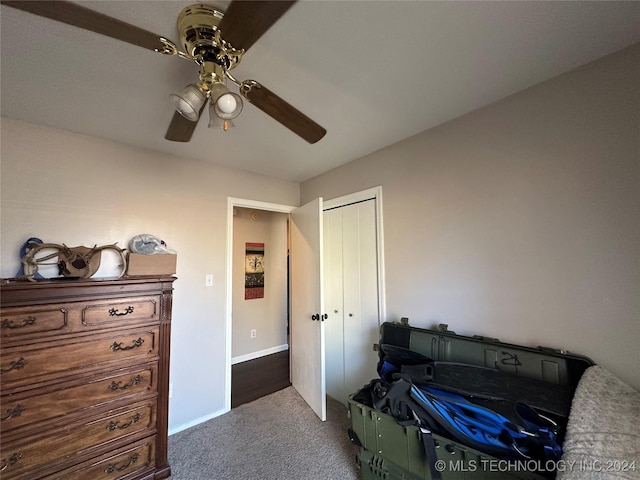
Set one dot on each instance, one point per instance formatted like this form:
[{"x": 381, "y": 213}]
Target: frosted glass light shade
[
  {"x": 224, "y": 104},
  {"x": 217, "y": 122},
  {"x": 189, "y": 103}
]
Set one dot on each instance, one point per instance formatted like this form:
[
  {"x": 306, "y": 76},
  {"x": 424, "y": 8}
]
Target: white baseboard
[
  {"x": 261, "y": 353},
  {"x": 197, "y": 421}
]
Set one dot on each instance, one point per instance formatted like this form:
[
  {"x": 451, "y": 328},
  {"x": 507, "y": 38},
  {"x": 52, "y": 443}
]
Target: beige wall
[
  {"x": 268, "y": 315},
  {"x": 521, "y": 220},
  {"x": 64, "y": 187}
]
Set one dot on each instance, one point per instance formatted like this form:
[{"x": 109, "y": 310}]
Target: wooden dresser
[{"x": 85, "y": 378}]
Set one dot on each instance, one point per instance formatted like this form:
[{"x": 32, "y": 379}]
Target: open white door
[{"x": 307, "y": 306}]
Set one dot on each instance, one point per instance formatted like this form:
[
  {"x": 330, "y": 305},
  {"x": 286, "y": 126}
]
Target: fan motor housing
[{"x": 200, "y": 38}]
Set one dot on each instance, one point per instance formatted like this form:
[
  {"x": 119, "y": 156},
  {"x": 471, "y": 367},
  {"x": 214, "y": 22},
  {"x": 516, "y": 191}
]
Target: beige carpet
[{"x": 277, "y": 437}]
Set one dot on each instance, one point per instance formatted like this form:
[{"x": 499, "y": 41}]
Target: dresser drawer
[
  {"x": 56, "y": 449},
  {"x": 124, "y": 464},
  {"x": 26, "y": 365},
  {"x": 18, "y": 323},
  {"x": 46, "y": 404}
]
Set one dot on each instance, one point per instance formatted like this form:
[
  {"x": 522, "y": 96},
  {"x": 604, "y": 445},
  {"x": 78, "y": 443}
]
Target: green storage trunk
[
  {"x": 469, "y": 467},
  {"x": 392, "y": 451}
]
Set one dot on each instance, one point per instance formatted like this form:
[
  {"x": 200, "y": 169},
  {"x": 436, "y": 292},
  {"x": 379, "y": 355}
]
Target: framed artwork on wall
[{"x": 254, "y": 271}]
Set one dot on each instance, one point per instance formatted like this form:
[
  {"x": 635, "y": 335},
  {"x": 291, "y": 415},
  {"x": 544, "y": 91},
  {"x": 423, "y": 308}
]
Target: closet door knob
[
  {"x": 335, "y": 311},
  {"x": 351, "y": 314}
]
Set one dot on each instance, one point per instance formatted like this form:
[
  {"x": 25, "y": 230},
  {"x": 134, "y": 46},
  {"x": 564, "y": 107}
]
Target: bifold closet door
[
  {"x": 333, "y": 300},
  {"x": 351, "y": 297}
]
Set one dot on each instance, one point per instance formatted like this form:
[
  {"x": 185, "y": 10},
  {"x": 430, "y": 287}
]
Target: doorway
[
  {"x": 260, "y": 344},
  {"x": 232, "y": 204}
]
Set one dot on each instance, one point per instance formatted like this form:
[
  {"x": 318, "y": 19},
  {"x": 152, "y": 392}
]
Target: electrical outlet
[
  {"x": 253, "y": 333},
  {"x": 208, "y": 280}
]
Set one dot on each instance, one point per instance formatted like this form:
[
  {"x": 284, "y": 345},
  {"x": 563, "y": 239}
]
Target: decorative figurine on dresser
[{"x": 85, "y": 378}]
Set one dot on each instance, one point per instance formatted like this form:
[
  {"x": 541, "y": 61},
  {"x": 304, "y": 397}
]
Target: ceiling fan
[{"x": 215, "y": 41}]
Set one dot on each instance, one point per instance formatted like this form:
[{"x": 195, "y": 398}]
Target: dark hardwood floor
[{"x": 259, "y": 377}]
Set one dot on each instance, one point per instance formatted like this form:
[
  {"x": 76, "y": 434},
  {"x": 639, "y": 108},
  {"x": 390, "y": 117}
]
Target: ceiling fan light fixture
[
  {"x": 224, "y": 103},
  {"x": 189, "y": 103}
]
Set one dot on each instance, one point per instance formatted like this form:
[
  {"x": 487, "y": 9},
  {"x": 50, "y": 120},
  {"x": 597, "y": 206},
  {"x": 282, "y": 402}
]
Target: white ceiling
[{"x": 371, "y": 72}]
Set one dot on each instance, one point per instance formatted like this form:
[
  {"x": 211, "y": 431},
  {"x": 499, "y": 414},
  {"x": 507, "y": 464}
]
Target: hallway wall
[{"x": 268, "y": 315}]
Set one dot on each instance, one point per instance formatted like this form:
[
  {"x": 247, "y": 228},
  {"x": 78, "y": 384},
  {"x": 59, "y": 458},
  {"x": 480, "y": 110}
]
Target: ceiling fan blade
[
  {"x": 82, "y": 17},
  {"x": 245, "y": 21},
  {"x": 180, "y": 129},
  {"x": 283, "y": 112}
]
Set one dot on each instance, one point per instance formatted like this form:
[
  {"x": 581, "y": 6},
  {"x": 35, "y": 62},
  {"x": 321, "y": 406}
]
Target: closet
[{"x": 351, "y": 297}]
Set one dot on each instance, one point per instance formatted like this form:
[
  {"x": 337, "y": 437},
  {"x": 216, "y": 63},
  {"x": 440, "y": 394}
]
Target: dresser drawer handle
[
  {"x": 114, "y": 312},
  {"x": 14, "y": 412},
  {"x": 115, "y": 346},
  {"x": 115, "y": 425},
  {"x": 115, "y": 386},
  {"x": 13, "y": 459},
  {"x": 15, "y": 365},
  {"x": 114, "y": 467},
  {"x": 27, "y": 322}
]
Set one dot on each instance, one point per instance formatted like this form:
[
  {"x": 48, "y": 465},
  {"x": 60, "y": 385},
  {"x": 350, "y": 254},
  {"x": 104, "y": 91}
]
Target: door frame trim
[{"x": 233, "y": 202}]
